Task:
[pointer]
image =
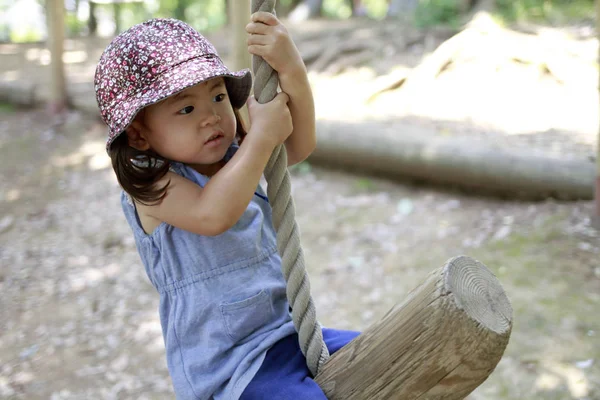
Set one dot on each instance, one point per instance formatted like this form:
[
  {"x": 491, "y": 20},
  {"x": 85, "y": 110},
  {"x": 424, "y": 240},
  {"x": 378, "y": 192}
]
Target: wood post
[
  {"x": 239, "y": 17},
  {"x": 441, "y": 343},
  {"x": 56, "y": 34}
]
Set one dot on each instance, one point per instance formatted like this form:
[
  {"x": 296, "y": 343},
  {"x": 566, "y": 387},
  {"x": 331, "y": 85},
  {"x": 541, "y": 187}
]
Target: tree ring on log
[{"x": 478, "y": 292}]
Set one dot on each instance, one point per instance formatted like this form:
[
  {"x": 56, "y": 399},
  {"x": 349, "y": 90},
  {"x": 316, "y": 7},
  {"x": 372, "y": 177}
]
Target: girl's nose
[{"x": 211, "y": 119}]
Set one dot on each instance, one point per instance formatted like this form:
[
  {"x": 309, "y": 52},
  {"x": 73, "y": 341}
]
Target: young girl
[{"x": 201, "y": 222}]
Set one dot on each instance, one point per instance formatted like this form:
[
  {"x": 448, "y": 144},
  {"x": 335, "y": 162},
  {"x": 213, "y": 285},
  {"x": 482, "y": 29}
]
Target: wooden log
[
  {"x": 441, "y": 343},
  {"x": 412, "y": 152},
  {"x": 18, "y": 93}
]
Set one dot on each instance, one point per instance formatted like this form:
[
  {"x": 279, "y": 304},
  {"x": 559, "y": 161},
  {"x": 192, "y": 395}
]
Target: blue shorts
[{"x": 284, "y": 374}]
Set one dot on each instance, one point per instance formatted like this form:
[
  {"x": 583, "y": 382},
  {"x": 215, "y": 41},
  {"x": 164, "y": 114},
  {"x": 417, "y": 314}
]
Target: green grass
[{"x": 6, "y": 108}]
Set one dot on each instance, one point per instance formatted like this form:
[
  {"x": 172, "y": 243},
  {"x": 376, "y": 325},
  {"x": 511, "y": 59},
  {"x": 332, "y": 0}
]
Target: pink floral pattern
[{"x": 152, "y": 61}]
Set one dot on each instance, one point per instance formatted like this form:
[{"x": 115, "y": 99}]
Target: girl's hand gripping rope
[
  {"x": 269, "y": 39},
  {"x": 271, "y": 123}
]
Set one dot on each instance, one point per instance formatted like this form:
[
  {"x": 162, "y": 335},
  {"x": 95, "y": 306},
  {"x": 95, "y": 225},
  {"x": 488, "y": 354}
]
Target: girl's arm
[
  {"x": 303, "y": 139},
  {"x": 215, "y": 208},
  {"x": 270, "y": 40}
]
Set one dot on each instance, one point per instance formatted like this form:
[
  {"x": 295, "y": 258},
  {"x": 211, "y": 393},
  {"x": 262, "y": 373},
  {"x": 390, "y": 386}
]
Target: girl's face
[{"x": 195, "y": 127}]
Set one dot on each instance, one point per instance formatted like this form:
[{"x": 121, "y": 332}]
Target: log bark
[
  {"x": 414, "y": 153},
  {"x": 441, "y": 343}
]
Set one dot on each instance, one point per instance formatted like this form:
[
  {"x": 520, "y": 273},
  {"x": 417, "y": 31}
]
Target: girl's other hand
[
  {"x": 270, "y": 123},
  {"x": 270, "y": 40}
]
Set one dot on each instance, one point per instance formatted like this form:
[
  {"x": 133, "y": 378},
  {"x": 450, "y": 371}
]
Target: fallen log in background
[
  {"x": 18, "y": 93},
  {"x": 412, "y": 152},
  {"x": 441, "y": 343}
]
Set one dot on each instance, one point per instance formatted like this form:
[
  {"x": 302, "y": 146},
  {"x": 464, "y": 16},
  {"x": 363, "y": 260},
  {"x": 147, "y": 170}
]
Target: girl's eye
[
  {"x": 186, "y": 110},
  {"x": 220, "y": 97}
]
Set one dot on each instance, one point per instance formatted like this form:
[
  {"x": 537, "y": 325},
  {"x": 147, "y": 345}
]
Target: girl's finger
[
  {"x": 259, "y": 40},
  {"x": 264, "y": 17},
  {"x": 257, "y": 28},
  {"x": 283, "y": 97},
  {"x": 257, "y": 50},
  {"x": 250, "y": 101}
]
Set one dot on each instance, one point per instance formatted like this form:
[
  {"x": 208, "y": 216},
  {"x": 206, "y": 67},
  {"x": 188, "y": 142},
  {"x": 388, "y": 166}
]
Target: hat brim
[{"x": 180, "y": 77}]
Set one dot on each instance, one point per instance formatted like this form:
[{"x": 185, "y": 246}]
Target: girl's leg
[{"x": 284, "y": 374}]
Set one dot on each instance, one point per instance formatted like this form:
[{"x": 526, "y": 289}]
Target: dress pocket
[{"x": 243, "y": 318}]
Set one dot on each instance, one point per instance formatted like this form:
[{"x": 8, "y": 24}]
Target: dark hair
[{"x": 138, "y": 171}]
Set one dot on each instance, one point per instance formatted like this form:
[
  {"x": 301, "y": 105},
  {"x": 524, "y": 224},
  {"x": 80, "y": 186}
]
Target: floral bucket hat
[{"x": 152, "y": 61}]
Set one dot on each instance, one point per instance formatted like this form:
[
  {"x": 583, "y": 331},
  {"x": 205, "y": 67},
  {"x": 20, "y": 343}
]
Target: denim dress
[{"x": 222, "y": 298}]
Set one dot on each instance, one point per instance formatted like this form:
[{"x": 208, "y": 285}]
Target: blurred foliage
[
  {"x": 555, "y": 12},
  {"x": 437, "y": 12},
  {"x": 551, "y": 11},
  {"x": 209, "y": 15},
  {"x": 340, "y": 9},
  {"x": 25, "y": 34},
  {"x": 204, "y": 15},
  {"x": 75, "y": 26},
  {"x": 6, "y": 108}
]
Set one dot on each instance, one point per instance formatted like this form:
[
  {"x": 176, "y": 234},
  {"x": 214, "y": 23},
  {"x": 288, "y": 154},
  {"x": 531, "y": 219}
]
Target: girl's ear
[{"x": 136, "y": 137}]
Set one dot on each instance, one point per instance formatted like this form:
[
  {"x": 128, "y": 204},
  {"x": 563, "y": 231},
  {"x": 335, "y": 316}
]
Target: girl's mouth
[{"x": 214, "y": 138}]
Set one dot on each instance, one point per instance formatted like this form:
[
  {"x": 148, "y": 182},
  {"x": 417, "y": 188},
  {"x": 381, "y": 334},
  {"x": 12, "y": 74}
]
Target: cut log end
[
  {"x": 478, "y": 292},
  {"x": 441, "y": 343}
]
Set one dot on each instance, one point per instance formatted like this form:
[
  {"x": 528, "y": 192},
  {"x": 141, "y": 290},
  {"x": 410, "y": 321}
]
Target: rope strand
[{"x": 279, "y": 189}]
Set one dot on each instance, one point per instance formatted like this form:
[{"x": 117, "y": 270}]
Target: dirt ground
[{"x": 79, "y": 317}]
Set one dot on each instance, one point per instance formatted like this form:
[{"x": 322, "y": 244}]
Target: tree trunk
[
  {"x": 117, "y": 16},
  {"x": 55, "y": 12},
  {"x": 92, "y": 21},
  {"x": 476, "y": 6},
  {"x": 597, "y": 212},
  {"x": 179, "y": 11},
  {"x": 239, "y": 16}
]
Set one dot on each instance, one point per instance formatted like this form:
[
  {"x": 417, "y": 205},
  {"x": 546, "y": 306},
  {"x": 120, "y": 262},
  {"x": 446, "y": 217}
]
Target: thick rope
[{"x": 279, "y": 191}]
